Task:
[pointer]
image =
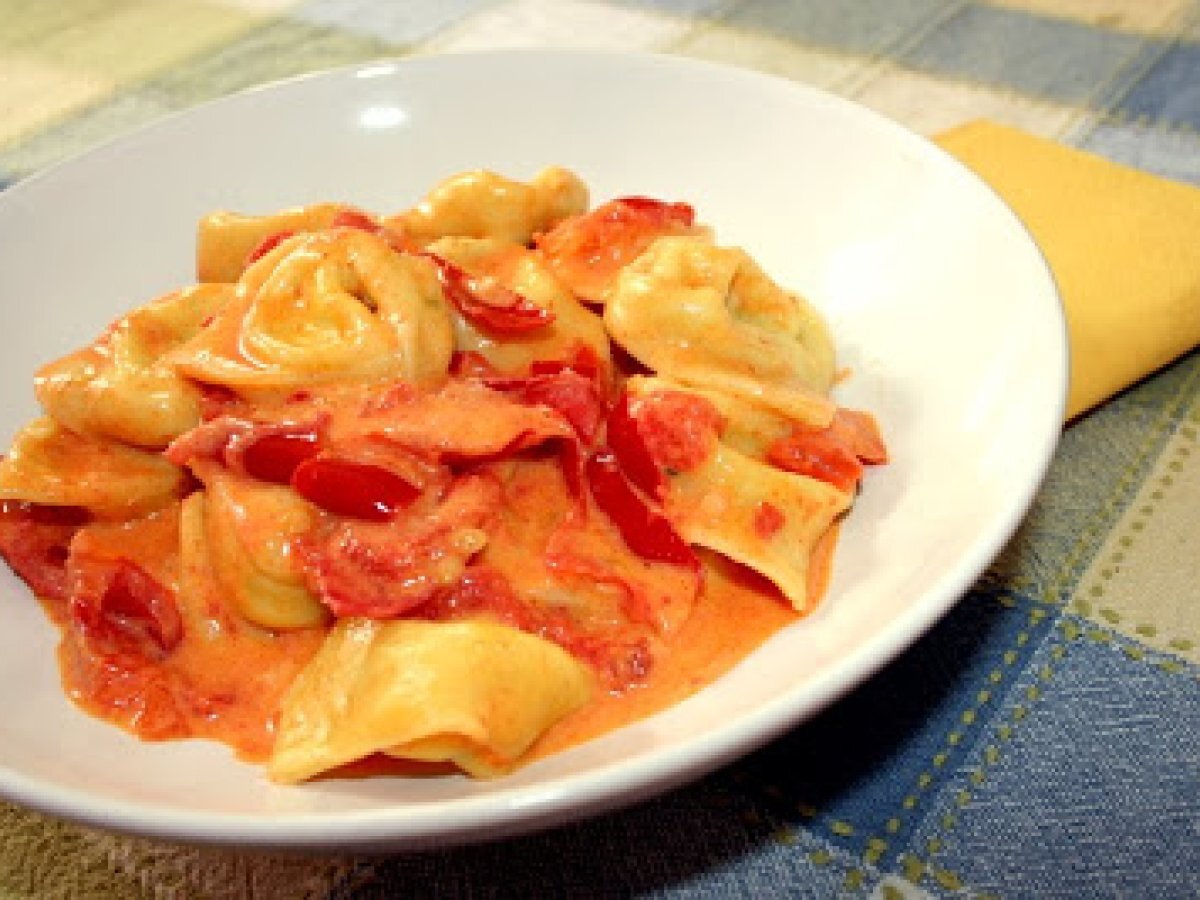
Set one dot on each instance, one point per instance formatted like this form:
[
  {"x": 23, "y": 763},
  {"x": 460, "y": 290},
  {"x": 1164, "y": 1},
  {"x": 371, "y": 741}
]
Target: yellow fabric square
[
  {"x": 1122, "y": 244},
  {"x": 1126, "y": 15},
  {"x": 33, "y": 92},
  {"x": 127, "y": 40}
]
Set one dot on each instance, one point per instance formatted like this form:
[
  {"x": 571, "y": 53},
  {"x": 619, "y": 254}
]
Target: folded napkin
[{"x": 1123, "y": 245}]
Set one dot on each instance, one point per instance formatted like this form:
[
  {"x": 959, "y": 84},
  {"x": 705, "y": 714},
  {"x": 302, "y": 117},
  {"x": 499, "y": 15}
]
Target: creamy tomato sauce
[
  {"x": 465, "y": 485},
  {"x": 224, "y": 678}
]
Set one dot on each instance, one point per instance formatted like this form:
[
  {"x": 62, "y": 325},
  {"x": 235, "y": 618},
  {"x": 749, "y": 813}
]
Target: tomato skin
[
  {"x": 860, "y": 433},
  {"x": 357, "y": 490},
  {"x": 631, "y": 450},
  {"x": 569, "y": 394},
  {"x": 584, "y": 360},
  {"x": 275, "y": 457},
  {"x": 679, "y": 430},
  {"x": 119, "y": 607},
  {"x": 645, "y": 531},
  {"x": 35, "y": 541},
  {"x": 659, "y": 212},
  {"x": 768, "y": 519},
  {"x": 587, "y": 250},
  {"x": 493, "y": 307},
  {"x": 834, "y": 454},
  {"x": 356, "y": 219},
  {"x": 621, "y": 659},
  {"x": 470, "y": 364},
  {"x": 266, "y": 245}
]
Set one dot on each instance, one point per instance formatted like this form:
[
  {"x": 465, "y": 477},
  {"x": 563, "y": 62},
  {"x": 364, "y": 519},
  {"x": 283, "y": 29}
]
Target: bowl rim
[{"x": 616, "y": 784}]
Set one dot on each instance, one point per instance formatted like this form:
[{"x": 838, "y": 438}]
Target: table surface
[{"x": 1042, "y": 741}]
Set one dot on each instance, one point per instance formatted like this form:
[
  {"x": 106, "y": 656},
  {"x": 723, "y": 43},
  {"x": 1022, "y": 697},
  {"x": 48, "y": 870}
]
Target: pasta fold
[
  {"x": 709, "y": 316},
  {"x": 520, "y": 270},
  {"x": 251, "y": 528},
  {"x": 330, "y": 306},
  {"x": 53, "y": 466},
  {"x": 121, "y": 387},
  {"x": 762, "y": 517},
  {"x": 476, "y": 694},
  {"x": 225, "y": 240},
  {"x": 482, "y": 204}
]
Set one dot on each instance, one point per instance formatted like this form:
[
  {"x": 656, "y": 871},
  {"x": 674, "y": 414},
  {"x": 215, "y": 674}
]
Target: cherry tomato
[
  {"x": 120, "y": 606},
  {"x": 358, "y": 490},
  {"x": 834, "y": 454},
  {"x": 631, "y": 450},
  {"x": 494, "y": 307},
  {"x": 584, "y": 360},
  {"x": 570, "y": 395},
  {"x": 274, "y": 457},
  {"x": 819, "y": 455},
  {"x": 645, "y": 531},
  {"x": 659, "y": 211},
  {"x": 588, "y": 250}
]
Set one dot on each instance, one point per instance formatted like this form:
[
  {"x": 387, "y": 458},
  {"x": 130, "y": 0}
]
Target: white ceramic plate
[{"x": 941, "y": 305}]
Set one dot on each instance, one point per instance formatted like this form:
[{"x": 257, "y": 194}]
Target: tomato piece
[
  {"x": 680, "y": 430},
  {"x": 383, "y": 570},
  {"x": 631, "y": 451},
  {"x": 354, "y": 218},
  {"x": 217, "y": 400},
  {"x": 834, "y": 454},
  {"x": 357, "y": 490},
  {"x": 274, "y": 457},
  {"x": 619, "y": 658},
  {"x": 119, "y": 607},
  {"x": 470, "y": 364},
  {"x": 587, "y": 250},
  {"x": 659, "y": 211},
  {"x": 571, "y": 459},
  {"x": 584, "y": 360},
  {"x": 768, "y": 519},
  {"x": 860, "y": 433},
  {"x": 266, "y": 245},
  {"x": 645, "y": 531},
  {"x": 34, "y": 539},
  {"x": 819, "y": 455},
  {"x": 488, "y": 306},
  {"x": 572, "y": 396}
]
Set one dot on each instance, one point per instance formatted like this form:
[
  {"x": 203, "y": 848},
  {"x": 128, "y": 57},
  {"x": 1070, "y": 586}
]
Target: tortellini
[
  {"x": 225, "y": 240},
  {"x": 250, "y": 529},
  {"x": 330, "y": 306},
  {"x": 740, "y": 506},
  {"x": 514, "y": 267},
  {"x": 52, "y": 466},
  {"x": 709, "y": 316},
  {"x": 475, "y": 693},
  {"x": 450, "y": 486},
  {"x": 121, "y": 386},
  {"x": 482, "y": 204}
]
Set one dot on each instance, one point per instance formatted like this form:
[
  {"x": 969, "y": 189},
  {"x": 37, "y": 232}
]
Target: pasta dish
[{"x": 448, "y": 489}]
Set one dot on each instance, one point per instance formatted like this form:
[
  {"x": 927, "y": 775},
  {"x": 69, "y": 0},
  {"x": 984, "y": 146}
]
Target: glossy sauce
[{"x": 225, "y": 678}]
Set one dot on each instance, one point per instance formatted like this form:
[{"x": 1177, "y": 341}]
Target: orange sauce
[
  {"x": 735, "y": 613},
  {"x": 225, "y": 679}
]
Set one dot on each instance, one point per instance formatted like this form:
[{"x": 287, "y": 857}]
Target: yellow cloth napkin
[{"x": 1124, "y": 247}]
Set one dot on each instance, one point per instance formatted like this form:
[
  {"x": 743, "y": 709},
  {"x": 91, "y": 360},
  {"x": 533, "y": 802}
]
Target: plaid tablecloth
[{"x": 1042, "y": 741}]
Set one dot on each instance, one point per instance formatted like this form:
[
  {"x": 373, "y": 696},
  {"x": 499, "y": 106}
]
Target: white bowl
[{"x": 942, "y": 308}]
